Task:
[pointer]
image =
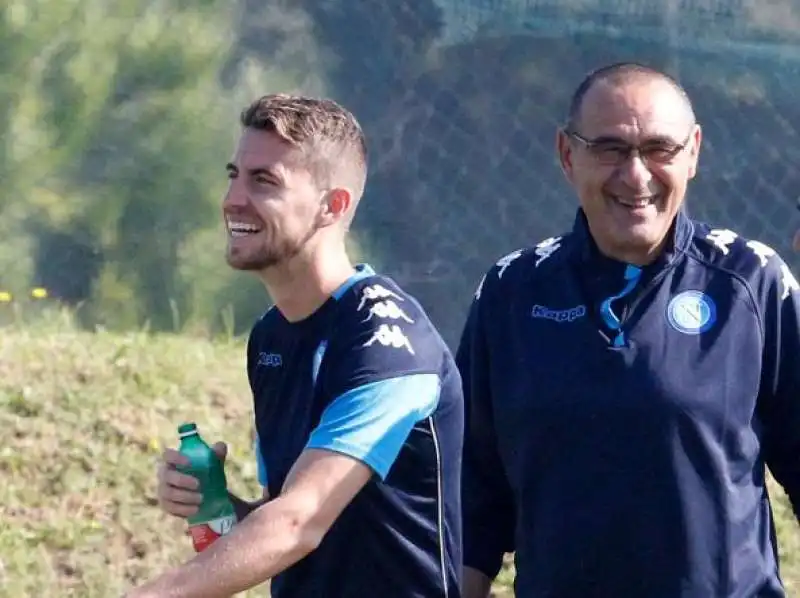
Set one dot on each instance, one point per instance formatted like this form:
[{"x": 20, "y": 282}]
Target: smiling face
[
  {"x": 295, "y": 179},
  {"x": 631, "y": 198},
  {"x": 273, "y": 203}
]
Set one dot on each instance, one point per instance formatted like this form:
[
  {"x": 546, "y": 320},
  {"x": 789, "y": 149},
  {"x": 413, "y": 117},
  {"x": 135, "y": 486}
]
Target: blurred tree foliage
[
  {"x": 116, "y": 118},
  {"x": 115, "y": 125}
]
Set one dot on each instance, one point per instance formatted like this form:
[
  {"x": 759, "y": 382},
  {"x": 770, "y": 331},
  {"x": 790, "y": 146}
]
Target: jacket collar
[{"x": 587, "y": 253}]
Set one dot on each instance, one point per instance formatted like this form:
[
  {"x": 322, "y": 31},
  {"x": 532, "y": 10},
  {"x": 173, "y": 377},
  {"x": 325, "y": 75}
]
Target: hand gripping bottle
[{"x": 216, "y": 516}]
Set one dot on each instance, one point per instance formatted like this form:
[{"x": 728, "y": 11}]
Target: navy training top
[
  {"x": 618, "y": 419},
  {"x": 367, "y": 375}
]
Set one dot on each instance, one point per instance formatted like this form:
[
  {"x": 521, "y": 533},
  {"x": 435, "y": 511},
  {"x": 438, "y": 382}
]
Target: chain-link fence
[
  {"x": 462, "y": 121},
  {"x": 460, "y": 100}
]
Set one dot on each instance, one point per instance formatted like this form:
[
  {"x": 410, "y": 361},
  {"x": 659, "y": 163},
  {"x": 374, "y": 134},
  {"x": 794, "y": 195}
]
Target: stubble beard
[{"x": 267, "y": 255}]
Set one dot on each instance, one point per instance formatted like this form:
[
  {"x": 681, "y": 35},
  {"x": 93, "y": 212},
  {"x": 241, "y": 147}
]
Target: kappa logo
[
  {"x": 388, "y": 310},
  {"x": 691, "y": 312},
  {"x": 375, "y": 292},
  {"x": 270, "y": 360},
  {"x": 763, "y": 252},
  {"x": 390, "y": 336},
  {"x": 503, "y": 263},
  {"x": 546, "y": 248},
  {"x": 722, "y": 239},
  {"x": 558, "y": 315}
]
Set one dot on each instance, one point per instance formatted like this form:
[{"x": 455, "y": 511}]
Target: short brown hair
[{"x": 328, "y": 134}]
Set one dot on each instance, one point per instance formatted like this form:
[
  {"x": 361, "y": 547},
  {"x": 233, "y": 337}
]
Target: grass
[{"x": 83, "y": 418}]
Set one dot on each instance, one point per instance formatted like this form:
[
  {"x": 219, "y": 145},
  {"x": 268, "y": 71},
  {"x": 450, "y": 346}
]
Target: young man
[
  {"x": 627, "y": 382},
  {"x": 358, "y": 403}
]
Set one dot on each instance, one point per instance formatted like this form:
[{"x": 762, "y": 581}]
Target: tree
[{"x": 122, "y": 130}]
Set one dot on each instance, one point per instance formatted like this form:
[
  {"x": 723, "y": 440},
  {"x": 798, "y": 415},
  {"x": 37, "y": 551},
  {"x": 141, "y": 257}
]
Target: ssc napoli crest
[{"x": 691, "y": 312}]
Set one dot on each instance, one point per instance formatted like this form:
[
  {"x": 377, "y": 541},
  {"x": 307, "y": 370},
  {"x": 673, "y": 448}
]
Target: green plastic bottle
[{"x": 216, "y": 516}]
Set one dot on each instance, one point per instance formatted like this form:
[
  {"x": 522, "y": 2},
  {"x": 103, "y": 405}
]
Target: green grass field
[{"x": 83, "y": 418}]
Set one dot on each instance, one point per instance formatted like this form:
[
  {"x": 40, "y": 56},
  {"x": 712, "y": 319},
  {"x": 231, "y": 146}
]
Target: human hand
[{"x": 179, "y": 493}]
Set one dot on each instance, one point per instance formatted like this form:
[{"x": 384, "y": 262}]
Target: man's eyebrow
[
  {"x": 608, "y": 139},
  {"x": 660, "y": 138},
  {"x": 650, "y": 139}
]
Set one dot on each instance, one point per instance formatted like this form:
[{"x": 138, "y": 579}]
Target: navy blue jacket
[
  {"x": 618, "y": 420},
  {"x": 368, "y": 376}
]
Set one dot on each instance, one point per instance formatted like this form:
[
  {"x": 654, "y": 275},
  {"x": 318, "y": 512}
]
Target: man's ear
[
  {"x": 564, "y": 152},
  {"x": 694, "y": 155},
  {"x": 336, "y": 204}
]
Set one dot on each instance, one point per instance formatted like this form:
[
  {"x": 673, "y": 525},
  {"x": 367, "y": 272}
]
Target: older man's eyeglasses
[{"x": 612, "y": 150}]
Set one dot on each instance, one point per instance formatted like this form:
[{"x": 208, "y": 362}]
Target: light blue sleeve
[
  {"x": 261, "y": 467},
  {"x": 372, "y": 422}
]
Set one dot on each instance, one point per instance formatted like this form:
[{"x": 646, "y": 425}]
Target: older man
[{"x": 627, "y": 382}]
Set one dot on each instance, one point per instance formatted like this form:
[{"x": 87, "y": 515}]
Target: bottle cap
[{"x": 187, "y": 429}]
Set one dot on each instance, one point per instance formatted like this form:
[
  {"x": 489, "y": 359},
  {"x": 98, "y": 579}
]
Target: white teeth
[
  {"x": 242, "y": 228},
  {"x": 636, "y": 203}
]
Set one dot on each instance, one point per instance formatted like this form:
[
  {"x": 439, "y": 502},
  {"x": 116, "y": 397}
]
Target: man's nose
[
  {"x": 235, "y": 196},
  {"x": 635, "y": 172}
]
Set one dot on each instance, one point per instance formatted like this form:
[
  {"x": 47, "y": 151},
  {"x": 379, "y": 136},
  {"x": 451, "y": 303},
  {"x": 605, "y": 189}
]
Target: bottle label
[{"x": 204, "y": 534}]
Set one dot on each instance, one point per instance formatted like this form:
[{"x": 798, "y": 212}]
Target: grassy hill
[{"x": 83, "y": 418}]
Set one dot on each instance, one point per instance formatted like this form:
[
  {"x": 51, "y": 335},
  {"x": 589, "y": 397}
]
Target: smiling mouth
[
  {"x": 634, "y": 203},
  {"x": 242, "y": 229}
]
